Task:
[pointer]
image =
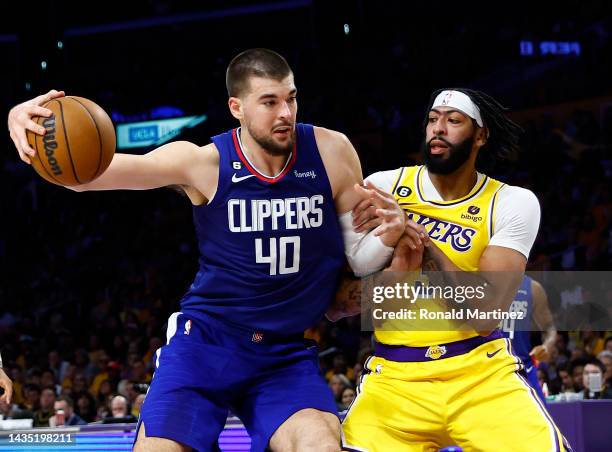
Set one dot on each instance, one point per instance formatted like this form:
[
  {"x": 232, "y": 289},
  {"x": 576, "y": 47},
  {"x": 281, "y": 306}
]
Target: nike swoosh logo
[
  {"x": 491, "y": 355},
  {"x": 528, "y": 369},
  {"x": 238, "y": 179}
]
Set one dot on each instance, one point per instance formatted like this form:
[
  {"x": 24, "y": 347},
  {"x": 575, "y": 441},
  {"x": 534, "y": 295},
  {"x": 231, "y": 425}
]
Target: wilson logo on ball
[{"x": 50, "y": 144}]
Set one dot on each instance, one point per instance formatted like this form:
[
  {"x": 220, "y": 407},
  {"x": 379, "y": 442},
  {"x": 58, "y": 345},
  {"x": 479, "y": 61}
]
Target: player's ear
[
  {"x": 481, "y": 136},
  {"x": 235, "y": 106}
]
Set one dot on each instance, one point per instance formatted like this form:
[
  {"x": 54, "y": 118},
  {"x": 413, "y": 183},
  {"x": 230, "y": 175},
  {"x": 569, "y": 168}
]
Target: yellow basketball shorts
[{"x": 476, "y": 400}]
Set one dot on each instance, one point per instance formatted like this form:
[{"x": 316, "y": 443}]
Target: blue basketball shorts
[{"x": 208, "y": 368}]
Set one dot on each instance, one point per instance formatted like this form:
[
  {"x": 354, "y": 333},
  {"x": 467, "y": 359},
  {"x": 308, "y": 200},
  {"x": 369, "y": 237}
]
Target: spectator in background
[
  {"x": 594, "y": 371},
  {"x": 110, "y": 373},
  {"x": 68, "y": 379},
  {"x": 340, "y": 366},
  {"x": 338, "y": 383},
  {"x": 576, "y": 369},
  {"x": 357, "y": 371},
  {"x": 120, "y": 409},
  {"x": 106, "y": 390},
  {"x": 104, "y": 409},
  {"x": 81, "y": 360},
  {"x": 47, "y": 379},
  {"x": 31, "y": 394},
  {"x": 66, "y": 404},
  {"x": 565, "y": 377},
  {"x": 97, "y": 371},
  {"x": 119, "y": 406},
  {"x": 118, "y": 347},
  {"x": 592, "y": 341},
  {"x": 132, "y": 390},
  {"x": 86, "y": 406},
  {"x": 46, "y": 410},
  {"x": 57, "y": 365},
  {"x": 543, "y": 381},
  {"x": 79, "y": 386},
  {"x": 348, "y": 395},
  {"x": 6, "y": 409},
  {"x": 139, "y": 372},
  {"x": 608, "y": 344},
  {"x": 149, "y": 358},
  {"x": 606, "y": 358},
  {"x": 33, "y": 376}
]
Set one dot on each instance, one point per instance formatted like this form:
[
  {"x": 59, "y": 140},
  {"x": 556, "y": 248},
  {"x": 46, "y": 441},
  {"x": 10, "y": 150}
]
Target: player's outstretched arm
[
  {"x": 175, "y": 163},
  {"x": 178, "y": 163}
]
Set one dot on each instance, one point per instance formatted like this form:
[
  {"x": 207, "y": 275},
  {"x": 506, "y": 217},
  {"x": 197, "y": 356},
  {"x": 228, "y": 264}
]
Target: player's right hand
[
  {"x": 378, "y": 210},
  {"x": 408, "y": 253},
  {"x": 415, "y": 235},
  {"x": 20, "y": 120}
]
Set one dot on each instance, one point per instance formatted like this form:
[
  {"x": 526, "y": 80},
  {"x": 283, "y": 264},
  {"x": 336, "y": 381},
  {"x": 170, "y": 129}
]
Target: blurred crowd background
[{"x": 88, "y": 280}]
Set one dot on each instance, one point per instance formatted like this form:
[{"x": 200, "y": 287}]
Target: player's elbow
[{"x": 78, "y": 188}]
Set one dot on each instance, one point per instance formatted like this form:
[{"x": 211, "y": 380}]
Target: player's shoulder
[
  {"x": 205, "y": 155},
  {"x": 332, "y": 143},
  {"x": 518, "y": 198},
  {"x": 384, "y": 179},
  {"x": 209, "y": 151},
  {"x": 192, "y": 157},
  {"x": 336, "y": 149}
]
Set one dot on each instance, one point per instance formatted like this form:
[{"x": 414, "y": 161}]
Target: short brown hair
[{"x": 254, "y": 63}]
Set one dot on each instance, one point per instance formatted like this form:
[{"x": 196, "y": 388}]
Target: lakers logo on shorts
[{"x": 435, "y": 351}]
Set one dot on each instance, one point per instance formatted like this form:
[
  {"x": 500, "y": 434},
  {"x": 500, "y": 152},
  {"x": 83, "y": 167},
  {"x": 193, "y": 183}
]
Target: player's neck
[
  {"x": 263, "y": 161},
  {"x": 455, "y": 185}
]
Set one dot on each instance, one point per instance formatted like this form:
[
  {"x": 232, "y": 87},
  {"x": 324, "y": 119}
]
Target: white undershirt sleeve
[
  {"x": 384, "y": 179},
  {"x": 366, "y": 253},
  {"x": 517, "y": 219}
]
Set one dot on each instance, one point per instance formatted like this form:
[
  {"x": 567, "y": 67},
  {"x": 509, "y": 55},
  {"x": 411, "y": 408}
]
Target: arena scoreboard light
[
  {"x": 156, "y": 132},
  {"x": 557, "y": 48}
]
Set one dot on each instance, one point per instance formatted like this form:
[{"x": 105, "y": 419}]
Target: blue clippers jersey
[
  {"x": 519, "y": 330},
  {"x": 271, "y": 249}
]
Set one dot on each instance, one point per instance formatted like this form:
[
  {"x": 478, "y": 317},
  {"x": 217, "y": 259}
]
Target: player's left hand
[
  {"x": 540, "y": 353},
  {"x": 380, "y": 211},
  {"x": 7, "y": 385}
]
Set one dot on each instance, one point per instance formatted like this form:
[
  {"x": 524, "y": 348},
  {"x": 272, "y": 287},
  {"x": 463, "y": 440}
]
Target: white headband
[{"x": 460, "y": 101}]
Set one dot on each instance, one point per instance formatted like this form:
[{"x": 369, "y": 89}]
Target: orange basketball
[{"x": 79, "y": 142}]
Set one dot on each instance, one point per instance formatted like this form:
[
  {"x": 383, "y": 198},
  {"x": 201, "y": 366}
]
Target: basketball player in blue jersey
[
  {"x": 531, "y": 301},
  {"x": 272, "y": 204}
]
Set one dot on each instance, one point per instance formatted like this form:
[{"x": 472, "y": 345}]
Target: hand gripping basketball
[{"x": 69, "y": 140}]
